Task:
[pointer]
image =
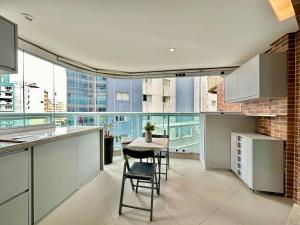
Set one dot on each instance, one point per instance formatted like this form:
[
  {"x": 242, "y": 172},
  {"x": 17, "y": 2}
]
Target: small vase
[{"x": 148, "y": 137}]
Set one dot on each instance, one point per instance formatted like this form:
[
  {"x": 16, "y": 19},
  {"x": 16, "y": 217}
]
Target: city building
[
  {"x": 159, "y": 95},
  {"x": 6, "y": 94}
]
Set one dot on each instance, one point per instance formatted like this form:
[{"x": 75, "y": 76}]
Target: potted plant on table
[
  {"x": 149, "y": 128},
  {"x": 108, "y": 143}
]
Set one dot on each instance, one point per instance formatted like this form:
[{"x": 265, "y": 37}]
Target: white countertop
[
  {"x": 257, "y": 136},
  {"x": 41, "y": 136}
]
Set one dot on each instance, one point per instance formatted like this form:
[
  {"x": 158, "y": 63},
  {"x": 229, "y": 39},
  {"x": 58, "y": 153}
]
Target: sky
[{"x": 43, "y": 73}]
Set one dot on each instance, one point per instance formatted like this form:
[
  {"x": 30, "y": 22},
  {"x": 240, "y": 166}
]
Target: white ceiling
[{"x": 135, "y": 35}]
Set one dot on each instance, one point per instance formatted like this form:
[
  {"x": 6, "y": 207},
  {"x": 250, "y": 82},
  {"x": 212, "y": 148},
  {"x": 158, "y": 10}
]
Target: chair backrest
[{"x": 138, "y": 154}]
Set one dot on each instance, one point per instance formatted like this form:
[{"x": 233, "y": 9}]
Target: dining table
[{"x": 157, "y": 144}]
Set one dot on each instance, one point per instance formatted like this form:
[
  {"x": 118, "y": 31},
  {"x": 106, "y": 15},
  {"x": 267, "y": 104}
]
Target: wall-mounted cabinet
[
  {"x": 8, "y": 46},
  {"x": 263, "y": 76}
]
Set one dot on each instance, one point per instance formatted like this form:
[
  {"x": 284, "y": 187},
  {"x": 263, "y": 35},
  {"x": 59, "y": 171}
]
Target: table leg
[{"x": 159, "y": 168}]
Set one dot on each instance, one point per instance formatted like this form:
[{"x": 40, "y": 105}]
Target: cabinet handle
[{"x": 239, "y": 173}]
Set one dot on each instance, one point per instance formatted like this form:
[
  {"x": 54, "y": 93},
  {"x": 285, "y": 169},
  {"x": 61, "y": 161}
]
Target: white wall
[{"x": 217, "y": 138}]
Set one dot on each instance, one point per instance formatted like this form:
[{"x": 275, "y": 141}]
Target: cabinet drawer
[
  {"x": 14, "y": 170},
  {"x": 15, "y": 211}
]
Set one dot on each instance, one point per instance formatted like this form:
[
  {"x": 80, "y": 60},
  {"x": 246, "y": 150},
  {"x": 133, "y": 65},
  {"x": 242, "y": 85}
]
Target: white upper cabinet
[
  {"x": 263, "y": 76},
  {"x": 8, "y": 46}
]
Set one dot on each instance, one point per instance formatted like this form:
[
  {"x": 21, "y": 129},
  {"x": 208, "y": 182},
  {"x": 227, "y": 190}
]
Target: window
[
  {"x": 186, "y": 131},
  {"x": 148, "y": 81},
  {"x": 122, "y": 96},
  {"x": 147, "y": 98},
  {"x": 120, "y": 118},
  {"x": 214, "y": 103},
  {"x": 166, "y": 99},
  {"x": 39, "y": 85},
  {"x": 167, "y": 82}
]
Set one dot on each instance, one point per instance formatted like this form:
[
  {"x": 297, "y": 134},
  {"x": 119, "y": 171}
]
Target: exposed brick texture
[
  {"x": 226, "y": 107},
  {"x": 287, "y": 110},
  {"x": 296, "y": 120}
]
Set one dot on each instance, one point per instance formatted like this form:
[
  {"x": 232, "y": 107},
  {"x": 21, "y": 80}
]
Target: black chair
[
  {"x": 163, "y": 154},
  {"x": 144, "y": 171}
]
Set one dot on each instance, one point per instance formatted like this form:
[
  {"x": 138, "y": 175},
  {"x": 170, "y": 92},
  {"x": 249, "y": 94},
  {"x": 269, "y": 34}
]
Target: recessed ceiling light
[
  {"x": 172, "y": 49},
  {"x": 283, "y": 9},
  {"x": 28, "y": 17}
]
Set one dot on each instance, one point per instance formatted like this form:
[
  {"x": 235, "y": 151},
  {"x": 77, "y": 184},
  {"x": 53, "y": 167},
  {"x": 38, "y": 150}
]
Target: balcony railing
[{"x": 185, "y": 129}]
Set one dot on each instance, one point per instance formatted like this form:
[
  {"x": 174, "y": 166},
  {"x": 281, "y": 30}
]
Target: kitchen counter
[
  {"x": 41, "y": 136},
  {"x": 45, "y": 166},
  {"x": 256, "y": 136}
]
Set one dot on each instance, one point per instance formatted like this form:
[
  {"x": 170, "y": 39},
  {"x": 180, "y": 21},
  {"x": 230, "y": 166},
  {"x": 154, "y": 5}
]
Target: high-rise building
[
  {"x": 85, "y": 93},
  {"x": 185, "y": 94},
  {"x": 159, "y": 95},
  {"x": 124, "y": 96},
  {"x": 6, "y": 94},
  {"x": 208, "y": 100}
]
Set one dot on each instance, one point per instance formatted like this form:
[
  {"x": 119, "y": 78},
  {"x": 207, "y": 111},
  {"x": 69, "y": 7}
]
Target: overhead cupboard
[
  {"x": 263, "y": 76},
  {"x": 8, "y": 46}
]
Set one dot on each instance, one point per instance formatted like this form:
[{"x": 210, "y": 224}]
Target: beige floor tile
[
  {"x": 220, "y": 218},
  {"x": 87, "y": 211},
  {"x": 191, "y": 196},
  {"x": 258, "y": 209}
]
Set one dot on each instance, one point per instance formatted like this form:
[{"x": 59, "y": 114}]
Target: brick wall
[
  {"x": 226, "y": 107},
  {"x": 283, "y": 124},
  {"x": 296, "y": 120}
]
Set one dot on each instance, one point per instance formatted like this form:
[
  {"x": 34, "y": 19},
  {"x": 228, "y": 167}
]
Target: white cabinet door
[
  {"x": 88, "y": 156},
  {"x": 14, "y": 170},
  {"x": 227, "y": 88},
  {"x": 15, "y": 212},
  {"x": 246, "y": 161},
  {"x": 248, "y": 82},
  {"x": 55, "y": 172},
  {"x": 231, "y": 87},
  {"x": 7, "y": 46},
  {"x": 233, "y": 162}
]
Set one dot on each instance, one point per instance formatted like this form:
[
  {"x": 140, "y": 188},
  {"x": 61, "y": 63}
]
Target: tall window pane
[
  {"x": 11, "y": 96},
  {"x": 38, "y": 89}
]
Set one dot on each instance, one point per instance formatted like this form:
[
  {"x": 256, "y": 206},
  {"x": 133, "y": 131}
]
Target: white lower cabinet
[
  {"x": 258, "y": 160},
  {"x": 88, "y": 156},
  {"x": 15, "y": 211},
  {"x": 14, "y": 179}
]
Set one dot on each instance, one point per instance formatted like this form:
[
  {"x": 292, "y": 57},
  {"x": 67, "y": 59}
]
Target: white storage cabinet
[{"x": 258, "y": 160}]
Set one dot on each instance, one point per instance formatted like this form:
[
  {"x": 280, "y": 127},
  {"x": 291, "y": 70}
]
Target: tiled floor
[{"x": 191, "y": 196}]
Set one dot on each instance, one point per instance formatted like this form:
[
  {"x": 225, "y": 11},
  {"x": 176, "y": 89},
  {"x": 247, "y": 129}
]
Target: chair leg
[
  {"x": 156, "y": 184},
  {"x": 137, "y": 185},
  {"x": 132, "y": 184},
  {"x": 168, "y": 158},
  {"x": 152, "y": 190},
  {"x": 122, "y": 194},
  {"x": 166, "y": 169},
  {"x": 159, "y": 170}
]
